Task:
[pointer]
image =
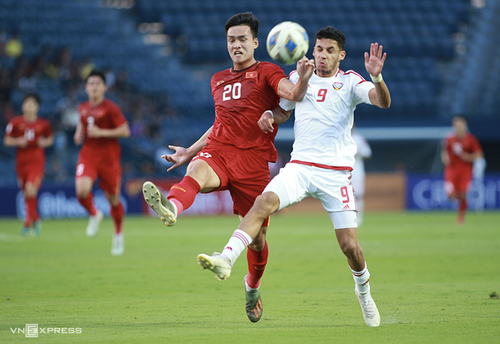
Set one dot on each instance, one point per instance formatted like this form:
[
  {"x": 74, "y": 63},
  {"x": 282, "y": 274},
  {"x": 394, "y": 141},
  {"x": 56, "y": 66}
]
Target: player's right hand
[
  {"x": 305, "y": 68},
  {"x": 179, "y": 158}
]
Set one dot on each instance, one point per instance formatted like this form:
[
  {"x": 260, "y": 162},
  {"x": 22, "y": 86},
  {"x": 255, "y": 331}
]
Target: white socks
[
  {"x": 238, "y": 242},
  {"x": 362, "y": 278}
]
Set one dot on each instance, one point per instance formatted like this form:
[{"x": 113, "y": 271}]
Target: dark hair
[
  {"x": 460, "y": 118},
  {"x": 332, "y": 33},
  {"x": 247, "y": 18},
  {"x": 34, "y": 96},
  {"x": 98, "y": 73}
]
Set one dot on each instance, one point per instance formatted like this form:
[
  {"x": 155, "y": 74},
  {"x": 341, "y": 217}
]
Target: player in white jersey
[
  {"x": 322, "y": 159},
  {"x": 358, "y": 171}
]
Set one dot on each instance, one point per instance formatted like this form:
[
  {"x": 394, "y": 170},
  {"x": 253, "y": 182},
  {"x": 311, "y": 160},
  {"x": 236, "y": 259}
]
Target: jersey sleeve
[
  {"x": 47, "y": 129},
  {"x": 476, "y": 146},
  {"x": 361, "y": 88},
  {"x": 286, "y": 104},
  {"x": 274, "y": 75},
  {"x": 80, "y": 108},
  {"x": 9, "y": 130},
  {"x": 117, "y": 116}
]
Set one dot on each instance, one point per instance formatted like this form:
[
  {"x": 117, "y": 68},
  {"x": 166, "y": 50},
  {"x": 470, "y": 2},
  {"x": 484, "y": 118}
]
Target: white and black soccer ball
[{"x": 287, "y": 42}]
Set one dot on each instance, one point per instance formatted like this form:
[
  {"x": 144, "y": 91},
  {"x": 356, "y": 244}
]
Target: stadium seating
[{"x": 416, "y": 34}]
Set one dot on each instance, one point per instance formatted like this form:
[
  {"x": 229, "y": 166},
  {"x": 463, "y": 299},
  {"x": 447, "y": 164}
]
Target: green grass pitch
[{"x": 433, "y": 281}]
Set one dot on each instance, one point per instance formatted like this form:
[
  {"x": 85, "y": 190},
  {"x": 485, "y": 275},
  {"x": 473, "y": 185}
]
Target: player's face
[
  {"x": 460, "y": 126},
  {"x": 30, "y": 106},
  {"x": 95, "y": 87},
  {"x": 327, "y": 55},
  {"x": 241, "y": 46}
]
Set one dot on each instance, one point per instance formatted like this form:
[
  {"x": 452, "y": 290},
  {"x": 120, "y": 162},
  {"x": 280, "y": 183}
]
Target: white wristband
[
  {"x": 272, "y": 115},
  {"x": 377, "y": 78}
]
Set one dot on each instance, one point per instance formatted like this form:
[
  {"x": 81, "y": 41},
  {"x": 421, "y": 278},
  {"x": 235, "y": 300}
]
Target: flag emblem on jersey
[
  {"x": 251, "y": 75},
  {"x": 219, "y": 82},
  {"x": 337, "y": 85}
]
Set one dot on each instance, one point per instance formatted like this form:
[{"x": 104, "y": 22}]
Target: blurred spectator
[
  {"x": 5, "y": 85},
  {"x": 67, "y": 111},
  {"x": 27, "y": 83},
  {"x": 110, "y": 78},
  {"x": 7, "y": 111},
  {"x": 57, "y": 171},
  {"x": 121, "y": 81},
  {"x": 60, "y": 66},
  {"x": 14, "y": 47},
  {"x": 86, "y": 67},
  {"x": 3, "y": 41}
]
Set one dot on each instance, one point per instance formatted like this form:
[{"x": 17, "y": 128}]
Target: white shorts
[
  {"x": 358, "y": 182},
  {"x": 333, "y": 188}
]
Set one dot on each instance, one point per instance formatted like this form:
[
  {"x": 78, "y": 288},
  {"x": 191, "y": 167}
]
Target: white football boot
[
  {"x": 166, "y": 211},
  {"x": 369, "y": 308},
  {"x": 217, "y": 264},
  {"x": 94, "y": 222},
  {"x": 118, "y": 244}
]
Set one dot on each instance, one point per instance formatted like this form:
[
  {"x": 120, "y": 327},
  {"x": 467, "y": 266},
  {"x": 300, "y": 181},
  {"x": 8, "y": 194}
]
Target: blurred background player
[
  {"x": 459, "y": 152},
  {"x": 30, "y": 135},
  {"x": 321, "y": 160},
  {"x": 101, "y": 125},
  {"x": 234, "y": 153},
  {"x": 358, "y": 171}
]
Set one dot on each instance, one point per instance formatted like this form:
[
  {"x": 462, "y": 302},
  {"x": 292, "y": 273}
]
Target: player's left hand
[
  {"x": 94, "y": 131},
  {"x": 266, "y": 122},
  {"x": 374, "y": 62}
]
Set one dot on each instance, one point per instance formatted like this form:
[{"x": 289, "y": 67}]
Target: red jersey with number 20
[
  {"x": 106, "y": 115},
  {"x": 240, "y": 98},
  {"x": 32, "y": 131}
]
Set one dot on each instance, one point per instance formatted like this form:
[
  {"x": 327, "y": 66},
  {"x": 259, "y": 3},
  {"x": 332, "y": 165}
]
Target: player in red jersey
[
  {"x": 101, "y": 125},
  {"x": 459, "y": 151},
  {"x": 234, "y": 153},
  {"x": 30, "y": 135}
]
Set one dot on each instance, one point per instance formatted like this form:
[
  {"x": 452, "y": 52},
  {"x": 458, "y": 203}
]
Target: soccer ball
[{"x": 287, "y": 42}]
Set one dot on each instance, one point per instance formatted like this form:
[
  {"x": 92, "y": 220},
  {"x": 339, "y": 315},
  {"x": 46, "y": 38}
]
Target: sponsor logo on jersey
[
  {"x": 249, "y": 75},
  {"x": 337, "y": 85}
]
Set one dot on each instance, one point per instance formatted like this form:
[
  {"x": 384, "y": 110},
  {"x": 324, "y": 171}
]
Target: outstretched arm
[
  {"x": 183, "y": 155},
  {"x": 295, "y": 92},
  {"x": 374, "y": 63}
]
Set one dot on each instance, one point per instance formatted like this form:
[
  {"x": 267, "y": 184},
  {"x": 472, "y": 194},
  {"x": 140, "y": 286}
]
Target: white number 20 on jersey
[{"x": 232, "y": 92}]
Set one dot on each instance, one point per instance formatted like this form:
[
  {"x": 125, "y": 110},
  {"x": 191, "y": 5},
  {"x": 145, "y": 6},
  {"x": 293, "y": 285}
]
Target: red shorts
[
  {"x": 456, "y": 181},
  {"x": 244, "y": 174},
  {"x": 109, "y": 173},
  {"x": 32, "y": 173}
]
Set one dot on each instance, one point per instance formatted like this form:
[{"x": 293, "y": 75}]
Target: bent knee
[{"x": 268, "y": 203}]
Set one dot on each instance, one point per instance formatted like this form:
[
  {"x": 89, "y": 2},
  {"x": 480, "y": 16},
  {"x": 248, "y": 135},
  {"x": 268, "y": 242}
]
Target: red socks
[
  {"x": 462, "y": 208},
  {"x": 117, "y": 215},
  {"x": 183, "y": 194},
  {"x": 31, "y": 211},
  {"x": 256, "y": 264},
  {"x": 88, "y": 203}
]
